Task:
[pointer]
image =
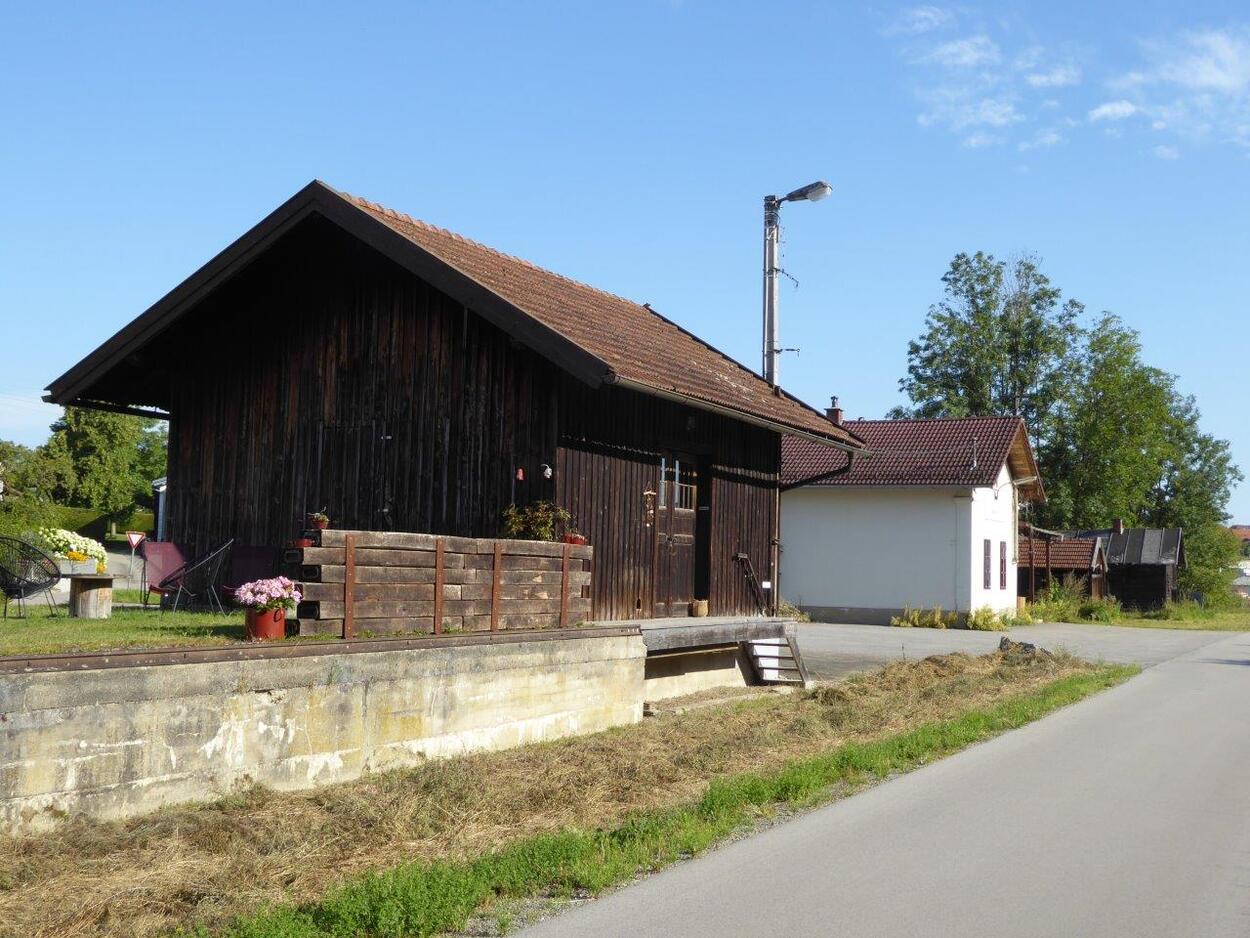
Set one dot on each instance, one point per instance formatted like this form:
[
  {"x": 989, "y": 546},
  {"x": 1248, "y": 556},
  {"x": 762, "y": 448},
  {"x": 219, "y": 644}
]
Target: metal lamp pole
[{"x": 812, "y": 192}]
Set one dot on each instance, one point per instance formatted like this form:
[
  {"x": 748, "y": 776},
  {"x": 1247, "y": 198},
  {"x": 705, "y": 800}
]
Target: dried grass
[{"x": 205, "y": 864}]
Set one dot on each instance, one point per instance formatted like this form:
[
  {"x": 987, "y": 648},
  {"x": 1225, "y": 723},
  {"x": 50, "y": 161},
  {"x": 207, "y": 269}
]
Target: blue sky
[{"x": 629, "y": 145}]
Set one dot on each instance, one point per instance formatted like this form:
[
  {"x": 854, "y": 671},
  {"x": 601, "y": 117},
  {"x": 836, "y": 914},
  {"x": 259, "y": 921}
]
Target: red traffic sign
[{"x": 135, "y": 538}]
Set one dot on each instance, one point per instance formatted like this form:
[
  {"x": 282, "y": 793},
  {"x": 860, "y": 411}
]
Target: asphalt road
[
  {"x": 1127, "y": 814},
  {"x": 833, "y": 651}
]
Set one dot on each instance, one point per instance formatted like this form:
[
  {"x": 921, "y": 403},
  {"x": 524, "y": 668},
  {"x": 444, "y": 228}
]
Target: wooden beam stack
[{"x": 380, "y": 582}]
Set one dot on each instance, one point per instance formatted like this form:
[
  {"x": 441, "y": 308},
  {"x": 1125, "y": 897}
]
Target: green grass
[
  {"x": 41, "y": 633},
  {"x": 421, "y": 899},
  {"x": 1238, "y": 621}
]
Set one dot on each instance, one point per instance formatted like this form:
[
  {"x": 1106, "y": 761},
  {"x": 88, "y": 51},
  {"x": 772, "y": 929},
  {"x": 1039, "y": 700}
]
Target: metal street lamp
[{"x": 813, "y": 192}]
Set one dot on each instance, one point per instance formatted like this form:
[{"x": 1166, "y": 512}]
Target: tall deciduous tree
[
  {"x": 1000, "y": 341},
  {"x": 1114, "y": 437}
]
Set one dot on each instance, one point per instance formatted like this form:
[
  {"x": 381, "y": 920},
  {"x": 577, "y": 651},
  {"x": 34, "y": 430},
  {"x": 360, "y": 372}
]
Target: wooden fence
[{"x": 379, "y": 582}]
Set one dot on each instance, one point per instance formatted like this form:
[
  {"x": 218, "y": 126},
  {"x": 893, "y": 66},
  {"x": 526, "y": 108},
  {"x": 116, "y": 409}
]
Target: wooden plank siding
[
  {"x": 324, "y": 376},
  {"x": 365, "y": 392},
  {"x": 610, "y": 446}
]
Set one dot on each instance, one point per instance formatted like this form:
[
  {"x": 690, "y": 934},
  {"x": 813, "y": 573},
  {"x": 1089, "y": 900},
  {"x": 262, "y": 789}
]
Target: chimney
[
  {"x": 834, "y": 412},
  {"x": 1117, "y": 526}
]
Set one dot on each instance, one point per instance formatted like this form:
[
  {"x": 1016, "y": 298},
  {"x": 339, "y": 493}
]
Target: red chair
[{"x": 160, "y": 559}]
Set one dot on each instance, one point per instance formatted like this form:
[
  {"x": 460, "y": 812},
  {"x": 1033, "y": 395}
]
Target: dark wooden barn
[
  {"x": 1144, "y": 564},
  {"x": 344, "y": 356}
]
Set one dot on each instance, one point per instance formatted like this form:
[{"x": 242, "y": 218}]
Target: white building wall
[
  {"x": 864, "y": 554},
  {"x": 993, "y": 518},
  {"x": 849, "y": 553}
]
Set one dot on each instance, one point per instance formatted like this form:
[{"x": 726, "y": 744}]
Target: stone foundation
[{"x": 118, "y": 741}]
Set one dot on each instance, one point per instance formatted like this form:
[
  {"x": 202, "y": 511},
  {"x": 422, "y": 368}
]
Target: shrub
[
  {"x": 1101, "y": 610},
  {"x": 1015, "y": 617},
  {"x": 1061, "y": 600},
  {"x": 93, "y": 523},
  {"x": 537, "y": 521},
  {"x": 789, "y": 610},
  {"x": 984, "y": 619},
  {"x": 933, "y": 618},
  {"x": 22, "y": 515},
  {"x": 910, "y": 619}
]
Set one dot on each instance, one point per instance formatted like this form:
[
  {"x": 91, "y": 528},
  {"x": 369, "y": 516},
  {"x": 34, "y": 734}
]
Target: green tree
[
  {"x": 1113, "y": 436},
  {"x": 1000, "y": 341},
  {"x": 22, "y": 509},
  {"x": 97, "y": 459}
]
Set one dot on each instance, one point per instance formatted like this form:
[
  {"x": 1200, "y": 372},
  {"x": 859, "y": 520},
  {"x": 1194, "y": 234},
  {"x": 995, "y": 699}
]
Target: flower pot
[
  {"x": 266, "y": 625},
  {"x": 301, "y": 542},
  {"x": 318, "y": 525},
  {"x": 575, "y": 539}
]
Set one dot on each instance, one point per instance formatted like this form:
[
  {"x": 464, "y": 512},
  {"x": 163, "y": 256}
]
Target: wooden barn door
[
  {"x": 350, "y": 479},
  {"x": 678, "y": 545}
]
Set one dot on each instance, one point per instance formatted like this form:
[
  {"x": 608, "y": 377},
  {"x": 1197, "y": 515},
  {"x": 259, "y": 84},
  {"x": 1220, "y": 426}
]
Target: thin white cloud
[
  {"x": 957, "y": 109},
  {"x": 979, "y": 140},
  {"x": 1164, "y": 152},
  {"x": 1057, "y": 77},
  {"x": 919, "y": 20},
  {"x": 1043, "y": 139},
  {"x": 1211, "y": 60},
  {"x": 965, "y": 53},
  {"x": 1196, "y": 86},
  {"x": 1113, "y": 111}
]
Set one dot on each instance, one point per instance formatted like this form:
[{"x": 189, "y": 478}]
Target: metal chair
[
  {"x": 160, "y": 559},
  {"x": 195, "y": 583},
  {"x": 25, "y": 571}
]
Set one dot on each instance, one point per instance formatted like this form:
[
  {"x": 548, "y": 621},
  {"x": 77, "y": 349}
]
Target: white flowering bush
[
  {"x": 275, "y": 593},
  {"x": 73, "y": 546}
]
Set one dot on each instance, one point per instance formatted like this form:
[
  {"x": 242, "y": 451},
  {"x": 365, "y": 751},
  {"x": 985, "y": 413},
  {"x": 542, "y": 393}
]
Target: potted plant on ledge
[
  {"x": 541, "y": 521},
  {"x": 318, "y": 520},
  {"x": 267, "y": 602}
]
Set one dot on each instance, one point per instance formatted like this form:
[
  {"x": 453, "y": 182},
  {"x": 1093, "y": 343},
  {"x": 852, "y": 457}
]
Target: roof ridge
[
  {"x": 428, "y": 226},
  {"x": 935, "y": 419}
]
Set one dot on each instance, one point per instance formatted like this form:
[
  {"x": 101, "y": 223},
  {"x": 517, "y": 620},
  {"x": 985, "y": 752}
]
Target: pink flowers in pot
[{"x": 275, "y": 593}]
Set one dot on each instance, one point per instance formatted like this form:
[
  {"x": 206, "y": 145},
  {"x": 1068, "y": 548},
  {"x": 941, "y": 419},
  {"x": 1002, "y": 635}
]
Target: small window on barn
[
  {"x": 679, "y": 485},
  {"x": 987, "y": 573},
  {"x": 1002, "y": 565}
]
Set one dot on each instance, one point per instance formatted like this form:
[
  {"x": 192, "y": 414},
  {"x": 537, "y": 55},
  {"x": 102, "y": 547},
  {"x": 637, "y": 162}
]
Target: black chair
[
  {"x": 26, "y": 571},
  {"x": 195, "y": 584}
]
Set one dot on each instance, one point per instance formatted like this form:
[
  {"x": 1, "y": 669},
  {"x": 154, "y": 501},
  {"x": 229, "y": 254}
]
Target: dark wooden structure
[
  {"x": 1043, "y": 560},
  {"x": 344, "y": 357},
  {"x": 1143, "y": 564}
]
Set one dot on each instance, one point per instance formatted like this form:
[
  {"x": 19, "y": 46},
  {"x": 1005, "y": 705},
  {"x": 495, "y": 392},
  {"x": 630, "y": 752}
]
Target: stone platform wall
[{"x": 117, "y": 741}]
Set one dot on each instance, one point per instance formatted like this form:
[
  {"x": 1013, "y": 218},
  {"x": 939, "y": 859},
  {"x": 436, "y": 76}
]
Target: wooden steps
[{"x": 777, "y": 661}]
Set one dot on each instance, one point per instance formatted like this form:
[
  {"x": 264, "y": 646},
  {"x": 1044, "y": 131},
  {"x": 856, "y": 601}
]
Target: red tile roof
[
  {"x": 1076, "y": 553},
  {"x": 961, "y": 452},
  {"x": 635, "y": 341},
  {"x": 600, "y": 337}
]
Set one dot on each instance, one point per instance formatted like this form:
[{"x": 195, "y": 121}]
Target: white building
[{"x": 929, "y": 517}]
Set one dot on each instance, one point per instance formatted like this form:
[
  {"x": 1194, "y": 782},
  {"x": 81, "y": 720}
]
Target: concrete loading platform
[{"x": 686, "y": 655}]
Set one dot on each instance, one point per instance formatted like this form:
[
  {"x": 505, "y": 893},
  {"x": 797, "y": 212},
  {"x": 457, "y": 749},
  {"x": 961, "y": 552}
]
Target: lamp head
[{"x": 812, "y": 192}]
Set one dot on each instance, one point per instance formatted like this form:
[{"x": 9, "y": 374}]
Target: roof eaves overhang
[
  {"x": 73, "y": 386},
  {"x": 1022, "y": 450},
  {"x": 751, "y": 418}
]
